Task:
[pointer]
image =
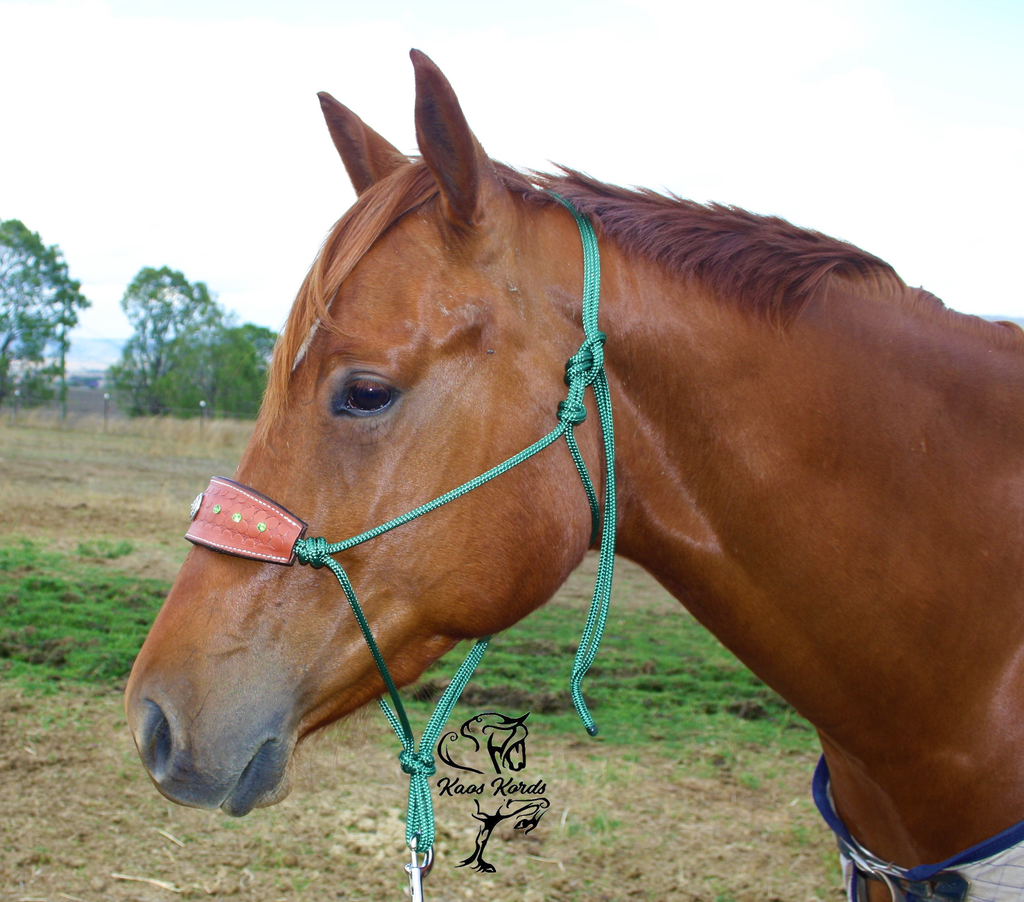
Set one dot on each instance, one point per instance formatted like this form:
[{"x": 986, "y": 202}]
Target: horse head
[{"x": 426, "y": 344}]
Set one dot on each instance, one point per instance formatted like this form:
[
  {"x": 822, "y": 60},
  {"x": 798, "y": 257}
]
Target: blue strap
[{"x": 1010, "y": 837}]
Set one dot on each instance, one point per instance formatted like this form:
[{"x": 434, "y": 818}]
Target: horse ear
[
  {"x": 449, "y": 148},
  {"x": 367, "y": 156}
]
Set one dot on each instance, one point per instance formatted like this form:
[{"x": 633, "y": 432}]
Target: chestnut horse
[{"x": 825, "y": 466}]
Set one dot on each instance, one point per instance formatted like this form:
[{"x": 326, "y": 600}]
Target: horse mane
[{"x": 766, "y": 264}]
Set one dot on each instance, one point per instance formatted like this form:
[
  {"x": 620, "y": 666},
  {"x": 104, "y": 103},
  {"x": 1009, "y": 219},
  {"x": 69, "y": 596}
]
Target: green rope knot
[
  {"x": 571, "y": 413},
  {"x": 588, "y": 362},
  {"x": 417, "y": 763},
  {"x": 312, "y": 551}
]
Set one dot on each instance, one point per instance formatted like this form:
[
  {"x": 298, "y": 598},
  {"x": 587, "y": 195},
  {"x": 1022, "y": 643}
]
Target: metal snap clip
[{"x": 417, "y": 870}]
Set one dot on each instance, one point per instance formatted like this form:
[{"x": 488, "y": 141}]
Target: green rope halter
[{"x": 585, "y": 368}]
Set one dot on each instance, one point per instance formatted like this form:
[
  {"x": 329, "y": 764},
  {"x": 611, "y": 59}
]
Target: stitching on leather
[
  {"x": 261, "y": 502},
  {"x": 238, "y": 552}
]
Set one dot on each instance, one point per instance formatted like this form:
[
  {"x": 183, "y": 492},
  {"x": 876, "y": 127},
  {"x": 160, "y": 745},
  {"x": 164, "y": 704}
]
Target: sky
[{"x": 188, "y": 134}]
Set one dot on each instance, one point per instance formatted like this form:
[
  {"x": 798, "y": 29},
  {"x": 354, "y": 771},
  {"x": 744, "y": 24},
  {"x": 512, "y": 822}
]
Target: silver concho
[{"x": 195, "y": 505}]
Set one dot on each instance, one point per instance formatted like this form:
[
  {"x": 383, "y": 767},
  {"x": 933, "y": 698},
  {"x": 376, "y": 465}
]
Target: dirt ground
[
  {"x": 80, "y": 820},
  {"x": 79, "y": 816}
]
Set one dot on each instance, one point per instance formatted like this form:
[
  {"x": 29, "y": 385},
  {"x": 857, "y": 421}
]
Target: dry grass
[
  {"x": 78, "y": 809},
  {"x": 168, "y": 435},
  {"x": 68, "y": 485}
]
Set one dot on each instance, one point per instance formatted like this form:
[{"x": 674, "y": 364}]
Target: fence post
[
  {"x": 17, "y": 399},
  {"x": 106, "y": 408},
  {"x": 202, "y": 416}
]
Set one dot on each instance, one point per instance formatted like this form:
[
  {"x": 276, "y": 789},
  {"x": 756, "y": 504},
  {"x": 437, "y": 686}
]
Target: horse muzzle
[{"x": 236, "y": 764}]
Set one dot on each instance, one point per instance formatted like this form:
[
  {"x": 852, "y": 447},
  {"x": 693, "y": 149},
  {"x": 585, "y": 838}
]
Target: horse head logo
[{"x": 503, "y": 738}]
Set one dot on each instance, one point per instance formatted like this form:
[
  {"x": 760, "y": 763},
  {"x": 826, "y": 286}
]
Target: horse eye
[{"x": 364, "y": 396}]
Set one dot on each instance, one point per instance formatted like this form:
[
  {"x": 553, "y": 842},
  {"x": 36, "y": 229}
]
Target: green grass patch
[
  {"x": 658, "y": 678},
  {"x": 63, "y": 619},
  {"x": 104, "y": 549}
]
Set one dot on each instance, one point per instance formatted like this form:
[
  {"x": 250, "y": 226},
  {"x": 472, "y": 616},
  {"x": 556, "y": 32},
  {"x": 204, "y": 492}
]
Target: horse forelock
[{"x": 375, "y": 211}]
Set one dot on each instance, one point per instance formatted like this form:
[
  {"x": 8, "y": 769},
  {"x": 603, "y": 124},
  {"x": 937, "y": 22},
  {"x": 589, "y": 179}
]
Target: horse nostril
[{"x": 157, "y": 743}]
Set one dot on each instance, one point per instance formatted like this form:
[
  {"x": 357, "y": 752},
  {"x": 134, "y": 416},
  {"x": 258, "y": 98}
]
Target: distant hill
[{"x": 90, "y": 355}]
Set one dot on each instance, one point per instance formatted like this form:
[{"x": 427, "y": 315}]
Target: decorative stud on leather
[{"x": 233, "y": 519}]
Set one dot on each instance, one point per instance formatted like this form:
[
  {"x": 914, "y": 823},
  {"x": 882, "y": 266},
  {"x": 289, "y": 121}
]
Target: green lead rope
[{"x": 585, "y": 368}]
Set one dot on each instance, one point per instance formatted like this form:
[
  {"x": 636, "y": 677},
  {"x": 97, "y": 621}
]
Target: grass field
[
  {"x": 694, "y": 750},
  {"x": 66, "y": 617}
]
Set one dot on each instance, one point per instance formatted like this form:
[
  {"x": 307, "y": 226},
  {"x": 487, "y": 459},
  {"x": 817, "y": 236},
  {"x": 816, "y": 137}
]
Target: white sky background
[{"x": 187, "y": 133}]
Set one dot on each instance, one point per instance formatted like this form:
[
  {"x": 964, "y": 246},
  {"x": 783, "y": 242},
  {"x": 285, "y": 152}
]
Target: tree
[
  {"x": 242, "y": 359},
  {"x": 186, "y": 349},
  {"x": 39, "y": 305},
  {"x": 170, "y": 315}
]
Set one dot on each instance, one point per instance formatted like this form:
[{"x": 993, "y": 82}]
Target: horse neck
[{"x": 832, "y": 500}]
